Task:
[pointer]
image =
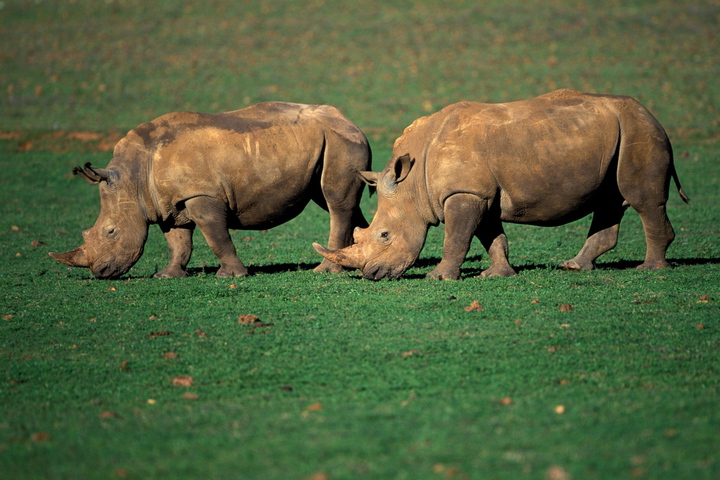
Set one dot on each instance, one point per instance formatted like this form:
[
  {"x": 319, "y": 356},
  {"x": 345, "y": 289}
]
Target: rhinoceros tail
[
  {"x": 675, "y": 178},
  {"x": 682, "y": 193}
]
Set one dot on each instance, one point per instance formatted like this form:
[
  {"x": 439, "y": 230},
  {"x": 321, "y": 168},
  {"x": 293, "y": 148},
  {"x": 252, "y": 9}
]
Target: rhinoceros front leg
[
  {"x": 211, "y": 217},
  {"x": 463, "y": 213},
  {"x": 180, "y": 244}
]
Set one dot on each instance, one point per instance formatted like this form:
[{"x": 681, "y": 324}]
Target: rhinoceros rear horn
[
  {"x": 350, "y": 257},
  {"x": 95, "y": 175},
  {"x": 73, "y": 258}
]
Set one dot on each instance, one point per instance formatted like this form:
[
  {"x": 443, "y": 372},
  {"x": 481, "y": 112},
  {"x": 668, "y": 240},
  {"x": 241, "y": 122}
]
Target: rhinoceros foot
[
  {"x": 658, "y": 264},
  {"x": 439, "y": 274},
  {"x": 328, "y": 267},
  {"x": 499, "y": 271},
  {"x": 171, "y": 272},
  {"x": 574, "y": 265},
  {"x": 227, "y": 271}
]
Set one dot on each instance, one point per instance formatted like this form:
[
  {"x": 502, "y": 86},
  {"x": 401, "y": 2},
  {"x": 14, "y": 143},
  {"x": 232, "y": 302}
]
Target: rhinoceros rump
[
  {"x": 250, "y": 169},
  {"x": 545, "y": 161}
]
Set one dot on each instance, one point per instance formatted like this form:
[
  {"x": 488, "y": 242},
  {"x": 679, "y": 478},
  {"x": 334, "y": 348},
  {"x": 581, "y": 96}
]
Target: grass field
[{"x": 612, "y": 373}]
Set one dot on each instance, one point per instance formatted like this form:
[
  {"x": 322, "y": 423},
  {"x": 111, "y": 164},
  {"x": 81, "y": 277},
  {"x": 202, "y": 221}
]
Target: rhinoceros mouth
[{"x": 380, "y": 272}]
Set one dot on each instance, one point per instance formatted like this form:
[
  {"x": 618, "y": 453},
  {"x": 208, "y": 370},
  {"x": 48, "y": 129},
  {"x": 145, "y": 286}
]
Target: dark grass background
[{"x": 345, "y": 378}]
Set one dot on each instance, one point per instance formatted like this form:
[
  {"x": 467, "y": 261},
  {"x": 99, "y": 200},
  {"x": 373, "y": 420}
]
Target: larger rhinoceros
[
  {"x": 253, "y": 168},
  {"x": 544, "y": 161}
]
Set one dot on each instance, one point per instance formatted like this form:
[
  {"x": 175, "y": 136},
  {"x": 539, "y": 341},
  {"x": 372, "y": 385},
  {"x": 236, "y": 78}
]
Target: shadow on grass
[
  {"x": 257, "y": 269},
  {"x": 431, "y": 262}
]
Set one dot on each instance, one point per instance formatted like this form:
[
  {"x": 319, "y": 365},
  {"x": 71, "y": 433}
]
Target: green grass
[{"x": 346, "y": 378}]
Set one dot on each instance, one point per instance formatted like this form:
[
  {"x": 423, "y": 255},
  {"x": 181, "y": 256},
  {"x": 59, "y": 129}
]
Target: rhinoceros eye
[{"x": 384, "y": 235}]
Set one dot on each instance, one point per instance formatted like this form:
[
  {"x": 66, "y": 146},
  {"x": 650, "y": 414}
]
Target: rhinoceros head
[
  {"x": 116, "y": 241},
  {"x": 394, "y": 239}
]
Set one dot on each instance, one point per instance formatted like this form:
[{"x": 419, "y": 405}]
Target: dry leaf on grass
[
  {"x": 41, "y": 437},
  {"x": 170, "y": 355},
  {"x": 319, "y": 476},
  {"x": 566, "y": 308},
  {"x": 121, "y": 473},
  {"x": 182, "y": 381},
  {"x": 248, "y": 319},
  {"x": 410, "y": 353},
  {"x": 474, "y": 307},
  {"x": 556, "y": 472},
  {"x": 190, "y": 396}
]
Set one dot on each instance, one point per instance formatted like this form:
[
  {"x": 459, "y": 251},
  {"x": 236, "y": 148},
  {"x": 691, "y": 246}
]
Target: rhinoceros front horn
[
  {"x": 350, "y": 257},
  {"x": 73, "y": 258}
]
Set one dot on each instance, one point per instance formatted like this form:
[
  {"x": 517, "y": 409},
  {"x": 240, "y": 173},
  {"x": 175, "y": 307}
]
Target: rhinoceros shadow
[
  {"x": 427, "y": 263},
  {"x": 257, "y": 269}
]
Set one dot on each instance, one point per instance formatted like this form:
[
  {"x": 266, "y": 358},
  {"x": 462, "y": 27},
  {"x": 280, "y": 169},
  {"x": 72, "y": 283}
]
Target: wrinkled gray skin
[
  {"x": 545, "y": 161},
  {"x": 250, "y": 169}
]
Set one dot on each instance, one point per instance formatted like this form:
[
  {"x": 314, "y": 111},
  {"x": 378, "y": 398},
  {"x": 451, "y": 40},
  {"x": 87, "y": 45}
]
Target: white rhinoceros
[
  {"x": 544, "y": 161},
  {"x": 253, "y": 168}
]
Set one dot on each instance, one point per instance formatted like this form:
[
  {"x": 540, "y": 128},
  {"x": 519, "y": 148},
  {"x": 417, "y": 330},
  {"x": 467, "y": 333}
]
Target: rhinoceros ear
[
  {"x": 371, "y": 178},
  {"x": 96, "y": 175},
  {"x": 397, "y": 171}
]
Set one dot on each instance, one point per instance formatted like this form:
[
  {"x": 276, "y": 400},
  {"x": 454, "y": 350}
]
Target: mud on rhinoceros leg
[
  {"x": 180, "y": 243},
  {"x": 211, "y": 217},
  {"x": 463, "y": 212},
  {"x": 602, "y": 236}
]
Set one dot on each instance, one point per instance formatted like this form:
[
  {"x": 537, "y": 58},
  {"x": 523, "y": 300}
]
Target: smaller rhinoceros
[
  {"x": 253, "y": 168},
  {"x": 545, "y": 161}
]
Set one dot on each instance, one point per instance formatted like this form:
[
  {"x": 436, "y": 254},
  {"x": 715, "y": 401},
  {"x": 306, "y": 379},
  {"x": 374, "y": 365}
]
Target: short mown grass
[{"x": 610, "y": 373}]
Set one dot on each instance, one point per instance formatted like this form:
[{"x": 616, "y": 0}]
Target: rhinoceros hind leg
[
  {"x": 492, "y": 235},
  {"x": 180, "y": 245},
  {"x": 659, "y": 234},
  {"x": 602, "y": 236},
  {"x": 343, "y": 221}
]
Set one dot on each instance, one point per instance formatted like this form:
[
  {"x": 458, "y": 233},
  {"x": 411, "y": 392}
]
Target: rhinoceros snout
[
  {"x": 107, "y": 271},
  {"x": 378, "y": 272}
]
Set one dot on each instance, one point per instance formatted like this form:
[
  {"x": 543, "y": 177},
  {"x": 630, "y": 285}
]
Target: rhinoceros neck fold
[{"x": 150, "y": 200}]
